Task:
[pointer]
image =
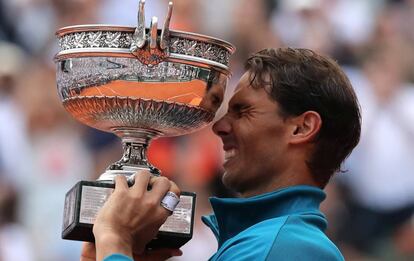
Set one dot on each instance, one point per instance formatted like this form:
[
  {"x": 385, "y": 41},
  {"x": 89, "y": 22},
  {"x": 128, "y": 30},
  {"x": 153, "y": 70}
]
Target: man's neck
[{"x": 290, "y": 178}]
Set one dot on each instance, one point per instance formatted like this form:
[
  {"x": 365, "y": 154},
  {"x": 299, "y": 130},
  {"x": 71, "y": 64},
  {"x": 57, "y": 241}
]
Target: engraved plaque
[{"x": 93, "y": 198}]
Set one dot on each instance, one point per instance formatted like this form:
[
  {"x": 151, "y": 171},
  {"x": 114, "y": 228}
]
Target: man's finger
[
  {"x": 88, "y": 252},
  {"x": 141, "y": 181},
  {"x": 175, "y": 189},
  {"x": 160, "y": 186},
  {"x": 120, "y": 182}
]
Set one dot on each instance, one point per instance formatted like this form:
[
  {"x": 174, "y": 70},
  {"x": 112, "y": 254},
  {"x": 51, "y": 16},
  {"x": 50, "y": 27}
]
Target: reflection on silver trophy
[{"x": 138, "y": 83}]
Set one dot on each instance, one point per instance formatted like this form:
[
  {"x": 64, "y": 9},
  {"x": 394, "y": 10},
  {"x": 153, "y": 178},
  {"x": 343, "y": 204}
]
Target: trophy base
[{"x": 84, "y": 200}]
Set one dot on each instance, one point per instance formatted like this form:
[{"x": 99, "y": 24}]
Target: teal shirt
[{"x": 282, "y": 225}]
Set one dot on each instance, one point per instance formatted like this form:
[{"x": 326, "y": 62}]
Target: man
[{"x": 292, "y": 120}]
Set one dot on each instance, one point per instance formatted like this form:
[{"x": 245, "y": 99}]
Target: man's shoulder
[
  {"x": 293, "y": 237},
  {"x": 301, "y": 238}
]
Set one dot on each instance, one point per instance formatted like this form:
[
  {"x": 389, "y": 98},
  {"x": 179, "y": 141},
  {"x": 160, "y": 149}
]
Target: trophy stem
[{"x": 135, "y": 143}]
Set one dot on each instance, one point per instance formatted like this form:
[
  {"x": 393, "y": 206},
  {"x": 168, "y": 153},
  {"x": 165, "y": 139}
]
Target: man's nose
[{"x": 222, "y": 127}]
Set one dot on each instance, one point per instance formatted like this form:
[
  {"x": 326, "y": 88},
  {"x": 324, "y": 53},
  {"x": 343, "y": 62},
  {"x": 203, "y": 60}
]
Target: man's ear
[{"x": 305, "y": 127}]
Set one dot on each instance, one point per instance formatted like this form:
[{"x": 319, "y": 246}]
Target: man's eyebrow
[
  {"x": 238, "y": 101},
  {"x": 232, "y": 102}
]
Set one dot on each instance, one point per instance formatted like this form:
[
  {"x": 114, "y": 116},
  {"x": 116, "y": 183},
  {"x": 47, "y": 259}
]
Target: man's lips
[
  {"x": 229, "y": 146},
  {"x": 230, "y": 149}
]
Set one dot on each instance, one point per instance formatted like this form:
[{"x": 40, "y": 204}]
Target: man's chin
[{"x": 229, "y": 180}]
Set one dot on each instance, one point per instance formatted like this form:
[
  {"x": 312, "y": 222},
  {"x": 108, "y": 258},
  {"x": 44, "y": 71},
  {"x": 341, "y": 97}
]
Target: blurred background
[{"x": 44, "y": 152}]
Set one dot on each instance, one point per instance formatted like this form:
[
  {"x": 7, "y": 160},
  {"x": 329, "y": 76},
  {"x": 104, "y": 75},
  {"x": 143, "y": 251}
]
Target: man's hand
[
  {"x": 89, "y": 253},
  {"x": 132, "y": 215}
]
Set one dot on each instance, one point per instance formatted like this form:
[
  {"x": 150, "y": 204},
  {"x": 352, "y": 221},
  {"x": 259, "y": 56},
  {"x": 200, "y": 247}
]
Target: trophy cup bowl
[{"x": 138, "y": 83}]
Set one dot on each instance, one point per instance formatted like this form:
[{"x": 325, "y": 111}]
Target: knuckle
[
  {"x": 143, "y": 172},
  {"x": 166, "y": 182},
  {"x": 119, "y": 179},
  {"x": 141, "y": 175},
  {"x": 174, "y": 188},
  {"x": 162, "y": 181},
  {"x": 152, "y": 202}
]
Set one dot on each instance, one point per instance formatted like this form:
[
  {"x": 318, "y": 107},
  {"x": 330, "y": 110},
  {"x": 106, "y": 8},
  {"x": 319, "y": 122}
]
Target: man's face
[{"x": 254, "y": 139}]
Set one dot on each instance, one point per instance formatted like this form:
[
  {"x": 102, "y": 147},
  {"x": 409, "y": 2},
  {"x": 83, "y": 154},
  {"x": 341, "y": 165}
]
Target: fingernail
[{"x": 177, "y": 252}]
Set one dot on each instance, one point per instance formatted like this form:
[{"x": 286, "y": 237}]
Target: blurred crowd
[{"x": 44, "y": 152}]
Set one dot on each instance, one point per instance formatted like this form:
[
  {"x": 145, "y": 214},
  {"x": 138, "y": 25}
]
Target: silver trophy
[{"x": 138, "y": 83}]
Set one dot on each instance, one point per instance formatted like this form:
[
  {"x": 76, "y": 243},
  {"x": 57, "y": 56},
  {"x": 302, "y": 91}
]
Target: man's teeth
[{"x": 229, "y": 154}]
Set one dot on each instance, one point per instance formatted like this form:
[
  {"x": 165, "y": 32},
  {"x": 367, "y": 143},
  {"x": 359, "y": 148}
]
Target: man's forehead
[
  {"x": 244, "y": 91},
  {"x": 248, "y": 78},
  {"x": 244, "y": 81},
  {"x": 241, "y": 88}
]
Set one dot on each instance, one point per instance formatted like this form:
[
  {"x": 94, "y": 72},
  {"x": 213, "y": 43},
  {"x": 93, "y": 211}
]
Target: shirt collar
[{"x": 233, "y": 215}]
